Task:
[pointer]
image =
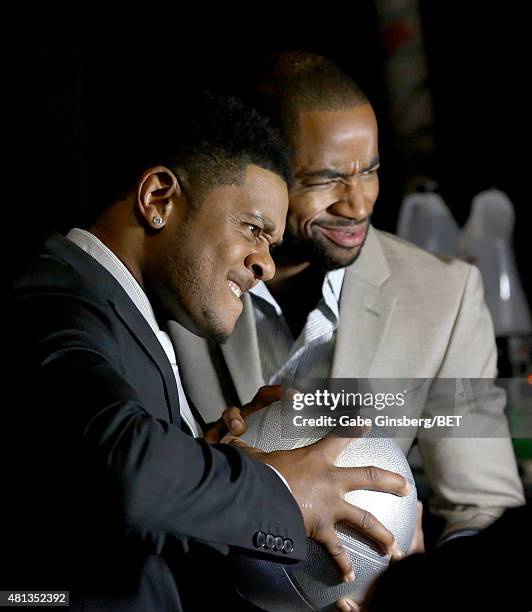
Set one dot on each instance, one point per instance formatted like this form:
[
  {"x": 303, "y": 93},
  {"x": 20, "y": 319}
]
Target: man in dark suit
[{"x": 108, "y": 488}]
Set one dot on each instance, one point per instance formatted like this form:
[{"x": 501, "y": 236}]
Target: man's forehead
[
  {"x": 350, "y": 117},
  {"x": 255, "y": 186},
  {"x": 264, "y": 198},
  {"x": 258, "y": 179},
  {"x": 320, "y": 130},
  {"x": 329, "y": 138}
]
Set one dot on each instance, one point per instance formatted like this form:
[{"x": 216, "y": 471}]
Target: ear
[{"x": 156, "y": 194}]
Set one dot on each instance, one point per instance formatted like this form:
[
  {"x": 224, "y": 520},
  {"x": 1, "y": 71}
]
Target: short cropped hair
[
  {"x": 206, "y": 139},
  {"x": 294, "y": 81}
]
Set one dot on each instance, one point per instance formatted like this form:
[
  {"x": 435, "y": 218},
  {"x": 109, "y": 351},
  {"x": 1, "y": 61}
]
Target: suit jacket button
[
  {"x": 270, "y": 541},
  {"x": 279, "y": 543},
  {"x": 288, "y": 546},
  {"x": 259, "y": 539}
]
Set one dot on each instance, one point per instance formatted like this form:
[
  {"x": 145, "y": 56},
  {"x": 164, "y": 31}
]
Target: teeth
[{"x": 234, "y": 288}]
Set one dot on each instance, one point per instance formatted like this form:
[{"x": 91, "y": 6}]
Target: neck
[
  {"x": 294, "y": 277},
  {"x": 297, "y": 289},
  {"x": 123, "y": 242},
  {"x": 288, "y": 274}
]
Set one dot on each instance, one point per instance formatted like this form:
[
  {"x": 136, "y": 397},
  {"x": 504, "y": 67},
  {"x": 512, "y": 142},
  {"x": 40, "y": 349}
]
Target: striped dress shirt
[{"x": 309, "y": 355}]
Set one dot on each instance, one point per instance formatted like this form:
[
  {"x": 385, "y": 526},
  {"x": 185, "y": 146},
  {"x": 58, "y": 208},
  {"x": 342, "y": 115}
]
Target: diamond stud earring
[{"x": 157, "y": 221}]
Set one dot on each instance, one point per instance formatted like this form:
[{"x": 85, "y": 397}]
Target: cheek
[
  {"x": 372, "y": 190},
  {"x": 210, "y": 259},
  {"x": 235, "y": 250},
  {"x": 304, "y": 208},
  {"x": 227, "y": 255}
]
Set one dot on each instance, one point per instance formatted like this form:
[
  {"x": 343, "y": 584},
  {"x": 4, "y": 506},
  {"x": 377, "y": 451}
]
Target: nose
[
  {"x": 261, "y": 264},
  {"x": 353, "y": 202}
]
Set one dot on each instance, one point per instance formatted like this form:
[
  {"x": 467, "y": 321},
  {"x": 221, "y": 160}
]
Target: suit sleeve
[
  {"x": 161, "y": 481},
  {"x": 473, "y": 479}
]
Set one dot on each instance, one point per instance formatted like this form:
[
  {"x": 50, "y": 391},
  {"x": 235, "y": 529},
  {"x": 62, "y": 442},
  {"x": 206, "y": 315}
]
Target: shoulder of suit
[
  {"x": 52, "y": 274},
  {"x": 406, "y": 259},
  {"x": 51, "y": 285}
]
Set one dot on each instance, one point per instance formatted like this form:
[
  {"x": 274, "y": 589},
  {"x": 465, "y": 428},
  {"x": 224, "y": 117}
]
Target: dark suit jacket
[{"x": 106, "y": 490}]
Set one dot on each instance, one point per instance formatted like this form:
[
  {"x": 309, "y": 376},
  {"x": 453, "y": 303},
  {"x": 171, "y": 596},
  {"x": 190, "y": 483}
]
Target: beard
[
  {"x": 316, "y": 250},
  {"x": 177, "y": 292},
  {"x": 215, "y": 330}
]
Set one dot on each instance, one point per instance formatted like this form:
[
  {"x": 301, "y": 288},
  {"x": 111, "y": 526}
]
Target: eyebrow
[{"x": 332, "y": 174}]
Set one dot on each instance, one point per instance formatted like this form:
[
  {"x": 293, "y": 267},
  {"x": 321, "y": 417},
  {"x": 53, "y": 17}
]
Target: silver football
[{"x": 315, "y": 584}]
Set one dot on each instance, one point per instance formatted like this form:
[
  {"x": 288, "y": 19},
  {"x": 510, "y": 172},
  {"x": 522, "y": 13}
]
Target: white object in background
[
  {"x": 425, "y": 220},
  {"x": 486, "y": 241}
]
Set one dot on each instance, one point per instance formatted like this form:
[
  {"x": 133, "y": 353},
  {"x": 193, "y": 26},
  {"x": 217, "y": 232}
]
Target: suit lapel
[
  {"x": 104, "y": 284},
  {"x": 365, "y": 312},
  {"x": 139, "y": 327},
  {"x": 241, "y": 354}
]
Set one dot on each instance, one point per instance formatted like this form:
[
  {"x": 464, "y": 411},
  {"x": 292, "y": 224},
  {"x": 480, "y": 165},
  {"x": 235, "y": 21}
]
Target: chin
[
  {"x": 218, "y": 328},
  {"x": 344, "y": 258},
  {"x": 332, "y": 259},
  {"x": 219, "y": 336}
]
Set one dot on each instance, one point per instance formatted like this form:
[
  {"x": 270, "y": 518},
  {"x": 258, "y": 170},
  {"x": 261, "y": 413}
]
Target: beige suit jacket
[{"x": 404, "y": 313}]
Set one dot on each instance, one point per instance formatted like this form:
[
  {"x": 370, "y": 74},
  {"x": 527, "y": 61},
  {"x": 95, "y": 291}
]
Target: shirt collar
[
  {"x": 106, "y": 258},
  {"x": 331, "y": 290},
  {"x": 260, "y": 290}
]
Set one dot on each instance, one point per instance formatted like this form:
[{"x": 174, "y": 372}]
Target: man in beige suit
[{"x": 349, "y": 301}]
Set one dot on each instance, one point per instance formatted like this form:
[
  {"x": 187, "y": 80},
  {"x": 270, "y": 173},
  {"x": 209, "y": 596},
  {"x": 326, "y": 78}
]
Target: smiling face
[
  {"x": 335, "y": 161},
  {"x": 218, "y": 251}
]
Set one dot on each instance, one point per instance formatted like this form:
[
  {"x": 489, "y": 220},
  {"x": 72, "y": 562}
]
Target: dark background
[{"x": 69, "y": 58}]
